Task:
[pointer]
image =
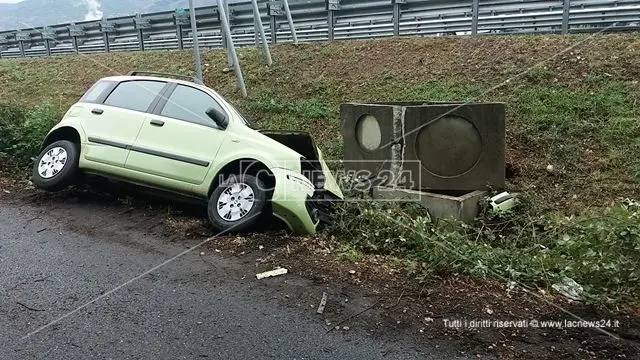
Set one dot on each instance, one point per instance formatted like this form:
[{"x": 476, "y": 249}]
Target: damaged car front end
[{"x": 315, "y": 180}]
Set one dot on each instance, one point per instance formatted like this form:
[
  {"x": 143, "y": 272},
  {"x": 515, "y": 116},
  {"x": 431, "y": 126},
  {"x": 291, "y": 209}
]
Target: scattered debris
[
  {"x": 276, "y": 272},
  {"x": 28, "y": 307},
  {"x": 569, "y": 288},
  {"x": 323, "y": 303},
  {"x": 488, "y": 311},
  {"x": 504, "y": 202},
  {"x": 355, "y": 315}
]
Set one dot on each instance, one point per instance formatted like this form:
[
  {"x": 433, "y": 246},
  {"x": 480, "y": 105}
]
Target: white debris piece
[
  {"x": 569, "y": 288},
  {"x": 276, "y": 272},
  {"x": 323, "y": 303}
]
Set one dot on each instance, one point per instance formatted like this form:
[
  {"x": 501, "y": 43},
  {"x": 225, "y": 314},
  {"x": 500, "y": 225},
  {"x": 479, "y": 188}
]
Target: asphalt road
[{"x": 197, "y": 306}]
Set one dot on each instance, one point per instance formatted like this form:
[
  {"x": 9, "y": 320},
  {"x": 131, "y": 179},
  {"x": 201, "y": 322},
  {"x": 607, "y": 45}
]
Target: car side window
[
  {"x": 190, "y": 104},
  {"x": 135, "y": 95}
]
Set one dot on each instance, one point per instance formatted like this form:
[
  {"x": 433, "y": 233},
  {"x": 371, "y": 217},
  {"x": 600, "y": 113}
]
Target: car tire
[
  {"x": 237, "y": 203},
  {"x": 57, "y": 166}
]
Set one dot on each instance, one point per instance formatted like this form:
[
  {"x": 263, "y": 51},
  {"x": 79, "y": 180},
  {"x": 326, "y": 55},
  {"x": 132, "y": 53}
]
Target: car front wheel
[
  {"x": 57, "y": 166},
  {"x": 237, "y": 203}
]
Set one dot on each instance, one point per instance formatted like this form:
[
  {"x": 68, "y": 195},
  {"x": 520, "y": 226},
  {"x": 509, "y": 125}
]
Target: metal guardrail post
[
  {"x": 141, "y": 24},
  {"x": 332, "y": 5},
  {"x": 21, "y": 37},
  {"x": 274, "y": 8},
  {"x": 256, "y": 38},
  {"x": 566, "y": 8},
  {"x": 179, "y": 37},
  {"x": 260, "y": 28},
  {"x": 232, "y": 49},
  {"x": 292, "y": 27},
  {"x": 196, "y": 44},
  {"x": 180, "y": 19},
  {"x": 475, "y": 12},
  {"x": 47, "y": 34},
  {"x": 397, "y": 12},
  {"x": 225, "y": 41},
  {"x": 75, "y": 31},
  {"x": 106, "y": 27}
]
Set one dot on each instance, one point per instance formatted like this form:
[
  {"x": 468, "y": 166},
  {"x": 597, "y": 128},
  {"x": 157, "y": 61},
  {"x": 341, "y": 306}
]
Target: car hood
[{"x": 304, "y": 144}]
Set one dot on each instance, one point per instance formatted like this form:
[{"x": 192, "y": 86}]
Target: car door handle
[
  {"x": 97, "y": 111},
  {"x": 158, "y": 123}
]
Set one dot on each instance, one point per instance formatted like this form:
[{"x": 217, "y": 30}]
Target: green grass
[{"x": 599, "y": 250}]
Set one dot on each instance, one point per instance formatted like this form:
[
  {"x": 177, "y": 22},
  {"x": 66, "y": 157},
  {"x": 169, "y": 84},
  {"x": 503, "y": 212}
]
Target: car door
[
  {"x": 178, "y": 140},
  {"x": 113, "y": 124}
]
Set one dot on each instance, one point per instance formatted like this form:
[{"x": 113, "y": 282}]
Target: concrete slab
[{"x": 440, "y": 206}]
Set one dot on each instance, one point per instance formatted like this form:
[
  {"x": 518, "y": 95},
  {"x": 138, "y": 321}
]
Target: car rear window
[
  {"x": 93, "y": 94},
  {"x": 135, "y": 95}
]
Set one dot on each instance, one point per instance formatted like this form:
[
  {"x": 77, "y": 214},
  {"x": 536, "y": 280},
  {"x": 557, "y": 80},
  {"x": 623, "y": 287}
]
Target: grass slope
[{"x": 577, "y": 111}]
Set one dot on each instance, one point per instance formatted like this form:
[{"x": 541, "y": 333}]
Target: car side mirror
[{"x": 219, "y": 118}]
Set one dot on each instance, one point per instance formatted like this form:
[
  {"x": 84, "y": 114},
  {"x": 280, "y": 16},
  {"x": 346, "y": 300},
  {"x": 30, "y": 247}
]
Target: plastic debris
[
  {"x": 323, "y": 303},
  {"x": 569, "y": 288},
  {"x": 276, "y": 272},
  {"x": 504, "y": 202}
]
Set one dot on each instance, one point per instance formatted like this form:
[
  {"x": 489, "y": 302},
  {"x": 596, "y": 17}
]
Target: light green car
[{"x": 183, "y": 137}]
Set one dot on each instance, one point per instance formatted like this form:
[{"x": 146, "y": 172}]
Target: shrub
[{"x": 22, "y": 133}]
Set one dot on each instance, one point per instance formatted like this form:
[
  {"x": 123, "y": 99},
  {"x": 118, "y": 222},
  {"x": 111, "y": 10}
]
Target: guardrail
[{"x": 324, "y": 20}]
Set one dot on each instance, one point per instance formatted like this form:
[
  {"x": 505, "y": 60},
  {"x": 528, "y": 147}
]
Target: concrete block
[
  {"x": 464, "y": 207},
  {"x": 426, "y": 145}
]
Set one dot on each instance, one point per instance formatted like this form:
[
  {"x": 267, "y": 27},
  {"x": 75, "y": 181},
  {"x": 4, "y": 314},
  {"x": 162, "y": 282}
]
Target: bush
[
  {"x": 598, "y": 250},
  {"x": 23, "y": 131}
]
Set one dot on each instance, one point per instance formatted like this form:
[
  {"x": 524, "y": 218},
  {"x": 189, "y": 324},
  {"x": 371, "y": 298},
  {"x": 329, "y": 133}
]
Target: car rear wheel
[
  {"x": 237, "y": 203},
  {"x": 57, "y": 166}
]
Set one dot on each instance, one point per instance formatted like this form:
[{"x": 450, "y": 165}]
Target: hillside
[{"x": 577, "y": 112}]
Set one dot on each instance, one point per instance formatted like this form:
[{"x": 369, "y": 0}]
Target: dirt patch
[{"x": 373, "y": 293}]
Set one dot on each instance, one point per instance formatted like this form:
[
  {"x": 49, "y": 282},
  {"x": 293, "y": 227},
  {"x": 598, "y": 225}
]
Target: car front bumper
[{"x": 290, "y": 201}]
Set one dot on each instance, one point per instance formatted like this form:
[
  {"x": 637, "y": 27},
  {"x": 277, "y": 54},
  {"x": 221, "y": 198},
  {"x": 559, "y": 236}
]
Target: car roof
[{"x": 121, "y": 78}]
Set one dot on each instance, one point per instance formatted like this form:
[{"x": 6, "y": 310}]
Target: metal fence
[{"x": 325, "y": 20}]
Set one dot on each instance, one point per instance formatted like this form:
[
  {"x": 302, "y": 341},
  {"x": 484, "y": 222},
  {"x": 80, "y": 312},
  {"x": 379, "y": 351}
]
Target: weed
[
  {"x": 538, "y": 75},
  {"x": 350, "y": 252}
]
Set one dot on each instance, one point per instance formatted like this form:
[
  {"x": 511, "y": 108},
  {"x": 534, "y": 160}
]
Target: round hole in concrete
[
  {"x": 368, "y": 133},
  {"x": 449, "y": 147}
]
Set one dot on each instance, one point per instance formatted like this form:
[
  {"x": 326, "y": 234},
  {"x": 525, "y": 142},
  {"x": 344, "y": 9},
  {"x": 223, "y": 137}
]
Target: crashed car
[{"x": 154, "y": 130}]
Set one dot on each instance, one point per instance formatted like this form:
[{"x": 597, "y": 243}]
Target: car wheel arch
[
  {"x": 257, "y": 168},
  {"x": 63, "y": 133}
]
